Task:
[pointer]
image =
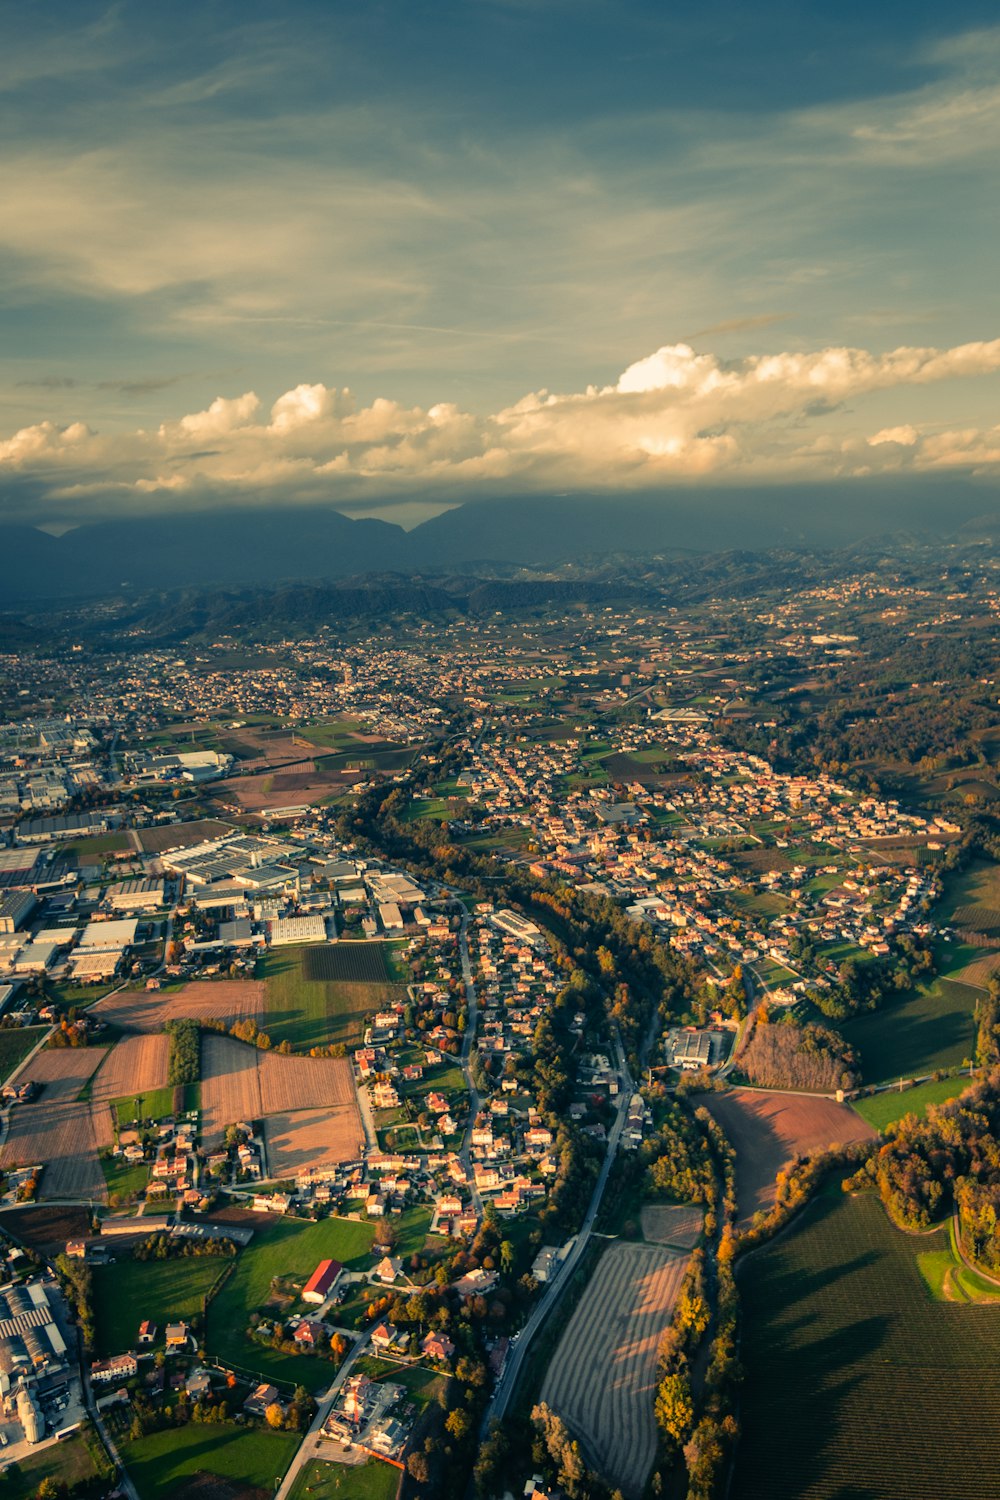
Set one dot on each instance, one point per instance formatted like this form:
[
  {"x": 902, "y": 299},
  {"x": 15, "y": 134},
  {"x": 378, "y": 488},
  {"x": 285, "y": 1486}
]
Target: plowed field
[
  {"x": 769, "y": 1131},
  {"x": 57, "y": 1130},
  {"x": 672, "y": 1224},
  {"x": 602, "y": 1379},
  {"x": 137, "y": 1065},
  {"x": 305, "y": 1139},
  {"x": 225, "y": 1000}
]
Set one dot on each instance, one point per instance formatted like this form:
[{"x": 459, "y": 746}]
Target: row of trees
[{"x": 184, "y": 1064}]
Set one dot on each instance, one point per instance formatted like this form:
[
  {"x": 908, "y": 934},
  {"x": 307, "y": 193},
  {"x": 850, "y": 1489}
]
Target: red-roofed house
[{"x": 321, "y": 1282}]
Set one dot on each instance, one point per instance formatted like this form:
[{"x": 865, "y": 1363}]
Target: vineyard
[
  {"x": 356, "y": 963},
  {"x": 602, "y": 1378},
  {"x": 858, "y": 1383}
]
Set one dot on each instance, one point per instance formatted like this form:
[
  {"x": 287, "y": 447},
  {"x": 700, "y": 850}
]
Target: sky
[{"x": 393, "y": 257}]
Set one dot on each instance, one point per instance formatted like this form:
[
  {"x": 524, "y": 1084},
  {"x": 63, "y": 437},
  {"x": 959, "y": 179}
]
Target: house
[
  {"x": 437, "y": 1346},
  {"x": 199, "y": 1385},
  {"x": 321, "y": 1282},
  {"x": 177, "y": 1336},
  {"x": 260, "y": 1399},
  {"x": 388, "y": 1268},
  {"x": 76, "y": 1249},
  {"x": 308, "y": 1335},
  {"x": 121, "y": 1367},
  {"x": 147, "y": 1333},
  {"x": 387, "y": 1336}
]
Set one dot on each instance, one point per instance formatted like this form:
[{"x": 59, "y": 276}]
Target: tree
[
  {"x": 418, "y": 1467},
  {"x": 458, "y": 1423},
  {"x": 275, "y": 1416},
  {"x": 675, "y": 1407}
]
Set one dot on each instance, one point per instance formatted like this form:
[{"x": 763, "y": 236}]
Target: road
[
  {"x": 515, "y": 1359},
  {"x": 468, "y": 1042},
  {"x": 307, "y": 1449},
  {"x": 124, "y": 1479}
]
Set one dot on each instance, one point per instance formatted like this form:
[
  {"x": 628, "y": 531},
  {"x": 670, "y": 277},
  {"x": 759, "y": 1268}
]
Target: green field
[
  {"x": 930, "y": 1027},
  {"x": 313, "y": 1012},
  {"x": 881, "y": 1110},
  {"x": 949, "y": 1279},
  {"x": 15, "y": 1044},
  {"x": 75, "y": 1461},
  {"x": 859, "y": 1384},
  {"x": 162, "y": 1464},
  {"x": 370, "y": 1481},
  {"x": 125, "y": 1181},
  {"x": 166, "y": 1291},
  {"x": 287, "y": 1248},
  {"x": 156, "y": 1104}
]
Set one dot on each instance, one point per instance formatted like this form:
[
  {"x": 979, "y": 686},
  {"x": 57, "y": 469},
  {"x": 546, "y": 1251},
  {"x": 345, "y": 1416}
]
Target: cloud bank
[{"x": 676, "y": 415}]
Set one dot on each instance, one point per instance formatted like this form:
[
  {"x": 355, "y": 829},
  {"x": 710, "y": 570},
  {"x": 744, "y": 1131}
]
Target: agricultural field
[
  {"x": 676, "y": 1224},
  {"x": 858, "y": 1382},
  {"x": 79, "y": 1460},
  {"x": 308, "y": 1009},
  {"x": 602, "y": 1377},
  {"x": 15, "y": 1044},
  {"x": 225, "y": 1000},
  {"x": 46, "y": 1227},
  {"x": 285, "y": 1248},
  {"x": 163, "y": 1290},
  {"x": 201, "y": 1462},
  {"x": 309, "y": 1102},
  {"x": 931, "y": 1026},
  {"x": 882, "y": 1110},
  {"x": 136, "y": 1065},
  {"x": 55, "y": 1129},
  {"x": 181, "y": 835},
  {"x": 770, "y": 1130}
]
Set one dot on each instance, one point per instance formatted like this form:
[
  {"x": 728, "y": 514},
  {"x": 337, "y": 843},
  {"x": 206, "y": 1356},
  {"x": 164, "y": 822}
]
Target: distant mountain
[{"x": 244, "y": 548}]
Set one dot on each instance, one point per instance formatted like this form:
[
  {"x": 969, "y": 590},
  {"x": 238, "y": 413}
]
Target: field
[
  {"x": 209, "y": 1462},
  {"x": 672, "y": 1224},
  {"x": 312, "y": 1100},
  {"x": 859, "y": 1385},
  {"x": 162, "y": 1290},
  {"x": 770, "y": 1130},
  {"x": 15, "y": 1044},
  {"x": 354, "y": 963},
  {"x": 286, "y": 1247},
  {"x": 181, "y": 835},
  {"x": 327, "y": 1481},
  {"x": 57, "y": 1130},
  {"x": 46, "y": 1227},
  {"x": 931, "y": 1027},
  {"x": 881, "y": 1110},
  {"x": 137, "y": 1065},
  {"x": 602, "y": 1378},
  {"x": 308, "y": 1011},
  {"x": 78, "y": 1460},
  {"x": 226, "y": 1000}
]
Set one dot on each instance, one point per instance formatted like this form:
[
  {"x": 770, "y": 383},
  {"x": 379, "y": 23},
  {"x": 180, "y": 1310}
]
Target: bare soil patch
[
  {"x": 46, "y": 1229},
  {"x": 306, "y": 1139},
  {"x": 56, "y": 1130},
  {"x": 137, "y": 1065},
  {"x": 602, "y": 1378},
  {"x": 230, "y": 1086},
  {"x": 672, "y": 1224},
  {"x": 226, "y": 1000},
  {"x": 770, "y": 1130},
  {"x": 290, "y": 1083},
  {"x": 308, "y": 785}
]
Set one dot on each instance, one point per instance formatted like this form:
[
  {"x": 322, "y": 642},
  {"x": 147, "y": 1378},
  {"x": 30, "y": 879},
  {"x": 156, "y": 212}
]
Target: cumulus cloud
[{"x": 675, "y": 414}]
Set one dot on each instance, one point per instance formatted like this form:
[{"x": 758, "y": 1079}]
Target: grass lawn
[
  {"x": 930, "y": 1027},
  {"x": 288, "y": 1248},
  {"x": 77, "y": 1459},
  {"x": 881, "y": 1110},
  {"x": 125, "y": 1180},
  {"x": 101, "y": 843},
  {"x": 838, "y": 1319},
  {"x": 163, "y": 1463},
  {"x": 312, "y": 1012},
  {"x": 166, "y": 1291},
  {"x": 325, "y": 1481},
  {"x": 15, "y": 1044},
  {"x": 156, "y": 1104}
]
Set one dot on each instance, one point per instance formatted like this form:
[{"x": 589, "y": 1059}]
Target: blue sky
[{"x": 325, "y": 252}]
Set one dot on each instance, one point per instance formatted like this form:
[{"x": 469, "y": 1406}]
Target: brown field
[
  {"x": 602, "y": 1378},
  {"x": 181, "y": 835},
  {"x": 308, "y": 784},
  {"x": 762, "y": 860},
  {"x": 289, "y": 1083},
  {"x": 979, "y": 918},
  {"x": 304, "y": 1139},
  {"x": 56, "y": 1130},
  {"x": 230, "y": 1086},
  {"x": 979, "y": 972},
  {"x": 137, "y": 1065},
  {"x": 46, "y": 1229},
  {"x": 770, "y": 1130},
  {"x": 226, "y": 1000},
  {"x": 308, "y": 1104},
  {"x": 676, "y": 1224}
]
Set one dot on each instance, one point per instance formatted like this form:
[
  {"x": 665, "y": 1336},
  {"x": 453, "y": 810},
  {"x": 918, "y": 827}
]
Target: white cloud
[{"x": 674, "y": 415}]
